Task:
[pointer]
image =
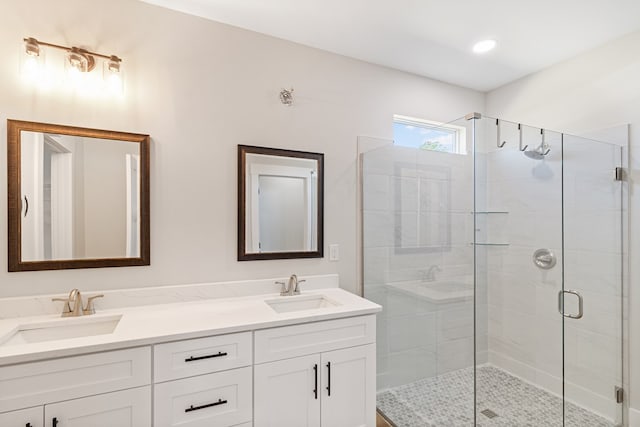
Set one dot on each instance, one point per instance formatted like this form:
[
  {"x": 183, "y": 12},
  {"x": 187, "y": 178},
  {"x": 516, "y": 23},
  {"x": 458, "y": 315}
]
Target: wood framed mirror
[
  {"x": 280, "y": 203},
  {"x": 77, "y": 197}
]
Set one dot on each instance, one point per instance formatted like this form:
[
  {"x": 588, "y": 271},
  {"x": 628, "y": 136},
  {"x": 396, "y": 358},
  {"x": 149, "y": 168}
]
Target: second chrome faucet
[
  {"x": 74, "y": 306},
  {"x": 291, "y": 287}
]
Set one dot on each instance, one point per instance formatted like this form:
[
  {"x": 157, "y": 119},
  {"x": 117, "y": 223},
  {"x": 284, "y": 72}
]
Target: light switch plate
[{"x": 334, "y": 252}]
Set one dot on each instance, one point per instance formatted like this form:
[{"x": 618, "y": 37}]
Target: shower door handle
[{"x": 561, "y": 295}]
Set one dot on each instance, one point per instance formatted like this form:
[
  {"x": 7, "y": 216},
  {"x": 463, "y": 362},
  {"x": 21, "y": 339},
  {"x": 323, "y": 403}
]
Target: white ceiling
[{"x": 433, "y": 38}]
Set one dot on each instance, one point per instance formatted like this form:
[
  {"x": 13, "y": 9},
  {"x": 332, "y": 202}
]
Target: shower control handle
[
  {"x": 544, "y": 259},
  {"x": 561, "y": 296}
]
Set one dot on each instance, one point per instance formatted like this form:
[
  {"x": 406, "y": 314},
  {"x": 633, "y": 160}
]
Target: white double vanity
[{"x": 227, "y": 354}]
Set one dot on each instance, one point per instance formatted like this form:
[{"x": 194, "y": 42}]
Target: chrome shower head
[
  {"x": 539, "y": 152},
  {"x": 534, "y": 154}
]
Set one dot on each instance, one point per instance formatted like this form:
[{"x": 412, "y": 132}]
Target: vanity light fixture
[
  {"x": 484, "y": 46},
  {"x": 78, "y": 62}
]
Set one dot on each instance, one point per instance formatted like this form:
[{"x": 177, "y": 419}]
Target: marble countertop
[{"x": 151, "y": 324}]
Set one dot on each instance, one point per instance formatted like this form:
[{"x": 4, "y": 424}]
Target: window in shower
[{"x": 428, "y": 135}]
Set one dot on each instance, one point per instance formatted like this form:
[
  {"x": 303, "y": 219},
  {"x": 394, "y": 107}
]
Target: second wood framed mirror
[
  {"x": 280, "y": 203},
  {"x": 77, "y": 197}
]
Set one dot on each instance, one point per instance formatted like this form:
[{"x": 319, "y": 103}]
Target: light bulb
[
  {"x": 74, "y": 73},
  {"x": 30, "y": 68},
  {"x": 484, "y": 46},
  {"x": 114, "y": 84},
  {"x": 112, "y": 75},
  {"x": 31, "y": 61}
]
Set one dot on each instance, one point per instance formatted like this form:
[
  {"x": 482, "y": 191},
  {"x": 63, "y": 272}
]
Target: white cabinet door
[
  {"x": 348, "y": 387},
  {"x": 128, "y": 408},
  {"x": 31, "y": 417},
  {"x": 287, "y": 393}
]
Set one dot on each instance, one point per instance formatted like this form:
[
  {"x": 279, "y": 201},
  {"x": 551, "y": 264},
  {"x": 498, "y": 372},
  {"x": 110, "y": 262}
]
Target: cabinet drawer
[
  {"x": 32, "y": 384},
  {"x": 299, "y": 340},
  {"x": 201, "y": 356},
  {"x": 127, "y": 408},
  {"x": 31, "y": 417},
  {"x": 216, "y": 400}
]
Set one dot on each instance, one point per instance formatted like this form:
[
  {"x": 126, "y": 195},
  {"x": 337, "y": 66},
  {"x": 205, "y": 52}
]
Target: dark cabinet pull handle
[
  {"x": 209, "y": 405},
  {"x": 211, "y": 356},
  {"x": 315, "y": 388},
  {"x": 54, "y": 422},
  {"x": 328, "y": 378},
  {"x": 26, "y": 210},
  {"x": 28, "y": 425}
]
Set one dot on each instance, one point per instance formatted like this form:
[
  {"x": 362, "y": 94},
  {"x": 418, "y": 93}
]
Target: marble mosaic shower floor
[{"x": 447, "y": 401}]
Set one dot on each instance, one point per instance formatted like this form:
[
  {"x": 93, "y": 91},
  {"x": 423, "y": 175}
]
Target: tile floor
[{"x": 447, "y": 401}]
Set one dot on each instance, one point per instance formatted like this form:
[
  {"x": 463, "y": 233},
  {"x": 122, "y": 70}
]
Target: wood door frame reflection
[
  {"x": 243, "y": 255},
  {"x": 14, "y": 194}
]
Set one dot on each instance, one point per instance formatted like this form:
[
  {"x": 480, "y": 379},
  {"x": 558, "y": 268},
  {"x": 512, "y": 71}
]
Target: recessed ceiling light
[{"x": 484, "y": 46}]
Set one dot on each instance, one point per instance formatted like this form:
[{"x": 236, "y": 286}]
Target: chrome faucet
[
  {"x": 291, "y": 288},
  {"x": 78, "y": 309},
  {"x": 429, "y": 275}
]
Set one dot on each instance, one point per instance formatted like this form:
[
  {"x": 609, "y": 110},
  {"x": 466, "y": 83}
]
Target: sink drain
[{"x": 489, "y": 413}]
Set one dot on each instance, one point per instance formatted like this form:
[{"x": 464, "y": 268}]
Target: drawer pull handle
[
  {"x": 208, "y": 405},
  {"x": 328, "y": 378},
  {"x": 54, "y": 422},
  {"x": 211, "y": 356},
  {"x": 315, "y": 388},
  {"x": 28, "y": 425}
]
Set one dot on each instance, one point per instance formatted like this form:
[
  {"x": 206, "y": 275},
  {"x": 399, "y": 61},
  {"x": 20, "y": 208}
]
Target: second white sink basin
[
  {"x": 61, "y": 329},
  {"x": 299, "y": 303}
]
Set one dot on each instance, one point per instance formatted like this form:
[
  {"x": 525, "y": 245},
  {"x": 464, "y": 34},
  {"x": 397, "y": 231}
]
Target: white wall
[
  {"x": 595, "y": 90},
  {"x": 199, "y": 89}
]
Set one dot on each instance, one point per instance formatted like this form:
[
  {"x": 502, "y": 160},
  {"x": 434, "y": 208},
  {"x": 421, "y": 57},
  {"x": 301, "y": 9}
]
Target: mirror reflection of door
[
  {"x": 285, "y": 220},
  {"x": 47, "y": 197},
  {"x": 133, "y": 204}
]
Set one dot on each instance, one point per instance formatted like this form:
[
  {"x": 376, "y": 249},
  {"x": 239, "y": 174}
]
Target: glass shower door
[
  {"x": 518, "y": 211},
  {"x": 548, "y": 277},
  {"x": 592, "y": 217}
]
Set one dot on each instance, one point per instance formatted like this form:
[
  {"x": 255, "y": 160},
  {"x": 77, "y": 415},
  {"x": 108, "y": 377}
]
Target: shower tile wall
[
  {"x": 525, "y": 328},
  {"x": 417, "y": 337}
]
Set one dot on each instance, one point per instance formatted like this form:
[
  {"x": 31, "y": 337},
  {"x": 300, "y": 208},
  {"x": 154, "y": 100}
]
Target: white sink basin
[
  {"x": 299, "y": 303},
  {"x": 61, "y": 329}
]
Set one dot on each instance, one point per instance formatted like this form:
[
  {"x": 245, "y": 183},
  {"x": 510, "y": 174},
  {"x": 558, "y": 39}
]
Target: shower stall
[{"x": 500, "y": 269}]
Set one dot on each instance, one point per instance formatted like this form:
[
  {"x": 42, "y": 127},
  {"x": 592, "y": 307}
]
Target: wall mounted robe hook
[
  {"x": 499, "y": 143},
  {"x": 520, "y": 143},
  {"x": 286, "y": 97}
]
